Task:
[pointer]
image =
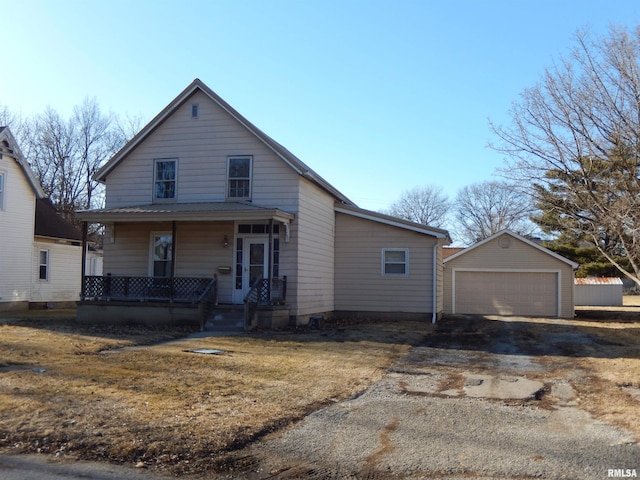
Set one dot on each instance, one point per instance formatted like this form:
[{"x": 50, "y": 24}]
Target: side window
[
  {"x": 239, "y": 178},
  {"x": 2, "y": 182},
  {"x": 395, "y": 262},
  {"x": 43, "y": 268},
  {"x": 161, "y": 254},
  {"x": 165, "y": 179}
]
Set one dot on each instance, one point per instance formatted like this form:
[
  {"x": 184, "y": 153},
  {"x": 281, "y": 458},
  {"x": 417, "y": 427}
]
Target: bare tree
[
  {"x": 65, "y": 153},
  {"x": 485, "y": 208},
  {"x": 426, "y": 205},
  {"x": 575, "y": 137}
]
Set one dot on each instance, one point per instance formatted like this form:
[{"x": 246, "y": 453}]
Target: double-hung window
[
  {"x": 161, "y": 254},
  {"x": 165, "y": 179},
  {"x": 395, "y": 262},
  {"x": 43, "y": 265},
  {"x": 239, "y": 178}
]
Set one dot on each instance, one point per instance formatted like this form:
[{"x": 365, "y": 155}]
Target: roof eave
[
  {"x": 395, "y": 222},
  {"x": 167, "y": 216}
]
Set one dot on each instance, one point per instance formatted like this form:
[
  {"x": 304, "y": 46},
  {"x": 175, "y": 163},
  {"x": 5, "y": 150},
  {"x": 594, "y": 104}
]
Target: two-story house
[
  {"x": 202, "y": 194},
  {"x": 41, "y": 252}
]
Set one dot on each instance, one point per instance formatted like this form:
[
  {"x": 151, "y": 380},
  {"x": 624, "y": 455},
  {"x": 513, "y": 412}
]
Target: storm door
[{"x": 252, "y": 263}]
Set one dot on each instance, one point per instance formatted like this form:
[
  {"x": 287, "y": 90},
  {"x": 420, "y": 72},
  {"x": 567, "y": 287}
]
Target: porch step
[{"x": 225, "y": 319}]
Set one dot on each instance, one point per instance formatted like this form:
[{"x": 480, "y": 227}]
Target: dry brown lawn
[{"x": 96, "y": 393}]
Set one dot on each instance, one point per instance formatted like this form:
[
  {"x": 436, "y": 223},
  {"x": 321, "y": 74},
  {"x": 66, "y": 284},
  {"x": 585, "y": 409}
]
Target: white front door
[{"x": 253, "y": 260}]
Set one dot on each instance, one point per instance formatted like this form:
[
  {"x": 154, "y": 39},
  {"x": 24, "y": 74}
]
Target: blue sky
[{"x": 376, "y": 96}]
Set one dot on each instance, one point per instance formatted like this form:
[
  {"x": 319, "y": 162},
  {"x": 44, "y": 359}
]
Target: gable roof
[
  {"x": 393, "y": 221},
  {"x": 540, "y": 248},
  {"x": 9, "y": 147},
  {"x": 50, "y": 224},
  {"x": 197, "y": 85}
]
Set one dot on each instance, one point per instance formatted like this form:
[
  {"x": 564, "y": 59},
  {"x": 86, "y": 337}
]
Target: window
[
  {"x": 166, "y": 172},
  {"x": 395, "y": 261},
  {"x": 161, "y": 254},
  {"x": 43, "y": 260},
  {"x": 194, "y": 110},
  {"x": 239, "y": 175},
  {"x": 2, "y": 176}
]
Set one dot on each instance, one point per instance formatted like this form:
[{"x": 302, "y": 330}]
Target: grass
[
  {"x": 129, "y": 395},
  {"x": 94, "y": 393}
]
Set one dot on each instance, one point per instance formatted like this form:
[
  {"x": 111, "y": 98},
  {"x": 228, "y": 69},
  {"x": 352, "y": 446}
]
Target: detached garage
[{"x": 507, "y": 274}]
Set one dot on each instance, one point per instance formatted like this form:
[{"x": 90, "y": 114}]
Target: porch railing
[
  {"x": 147, "y": 289},
  {"x": 264, "y": 292}
]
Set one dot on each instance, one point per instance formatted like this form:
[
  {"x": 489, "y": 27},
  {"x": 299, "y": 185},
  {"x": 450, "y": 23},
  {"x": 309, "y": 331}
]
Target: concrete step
[{"x": 225, "y": 320}]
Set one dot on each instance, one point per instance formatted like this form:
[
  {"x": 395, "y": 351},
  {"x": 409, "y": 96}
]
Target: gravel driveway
[{"x": 469, "y": 404}]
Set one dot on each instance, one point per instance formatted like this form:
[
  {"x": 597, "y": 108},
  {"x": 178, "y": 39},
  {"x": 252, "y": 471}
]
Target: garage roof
[{"x": 574, "y": 265}]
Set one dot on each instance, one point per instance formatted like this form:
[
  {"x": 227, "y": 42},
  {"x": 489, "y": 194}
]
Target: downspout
[{"x": 434, "y": 283}]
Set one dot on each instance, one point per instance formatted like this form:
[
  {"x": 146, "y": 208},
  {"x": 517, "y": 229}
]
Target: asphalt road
[{"x": 41, "y": 467}]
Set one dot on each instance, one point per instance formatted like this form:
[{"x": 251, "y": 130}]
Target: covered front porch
[{"x": 187, "y": 259}]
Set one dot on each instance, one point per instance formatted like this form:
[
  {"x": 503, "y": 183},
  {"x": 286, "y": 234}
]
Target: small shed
[
  {"x": 507, "y": 274},
  {"x": 599, "y": 291}
]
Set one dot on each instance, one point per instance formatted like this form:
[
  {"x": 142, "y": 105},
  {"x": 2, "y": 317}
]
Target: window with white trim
[
  {"x": 165, "y": 179},
  {"x": 395, "y": 262},
  {"x": 43, "y": 265},
  {"x": 239, "y": 178},
  {"x": 161, "y": 254},
  {"x": 2, "y": 182}
]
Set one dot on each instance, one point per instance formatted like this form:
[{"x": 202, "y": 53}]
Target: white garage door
[{"x": 507, "y": 293}]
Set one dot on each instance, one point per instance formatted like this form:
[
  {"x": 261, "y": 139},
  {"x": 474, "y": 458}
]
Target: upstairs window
[
  {"x": 239, "y": 178},
  {"x": 165, "y": 179},
  {"x": 395, "y": 262}
]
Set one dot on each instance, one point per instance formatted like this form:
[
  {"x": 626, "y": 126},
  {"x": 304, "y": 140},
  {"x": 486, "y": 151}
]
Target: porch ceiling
[{"x": 210, "y": 211}]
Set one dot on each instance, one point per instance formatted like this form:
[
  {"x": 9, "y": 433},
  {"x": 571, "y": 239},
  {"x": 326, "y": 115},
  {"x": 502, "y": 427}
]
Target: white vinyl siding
[
  {"x": 17, "y": 219},
  {"x": 203, "y": 148},
  {"x": 63, "y": 272},
  {"x": 359, "y": 285}
]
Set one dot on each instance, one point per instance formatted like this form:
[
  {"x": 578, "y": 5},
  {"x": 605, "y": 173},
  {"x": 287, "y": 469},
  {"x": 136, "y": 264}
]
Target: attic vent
[
  {"x": 194, "y": 110},
  {"x": 504, "y": 242}
]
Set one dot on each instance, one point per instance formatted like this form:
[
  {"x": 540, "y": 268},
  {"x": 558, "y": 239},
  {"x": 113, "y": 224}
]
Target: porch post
[
  {"x": 270, "y": 262},
  {"x": 83, "y": 266},
  {"x": 172, "y": 271}
]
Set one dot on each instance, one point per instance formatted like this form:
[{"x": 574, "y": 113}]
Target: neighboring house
[
  {"x": 57, "y": 256},
  {"x": 507, "y": 274},
  {"x": 201, "y": 193},
  {"x": 40, "y": 255}
]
